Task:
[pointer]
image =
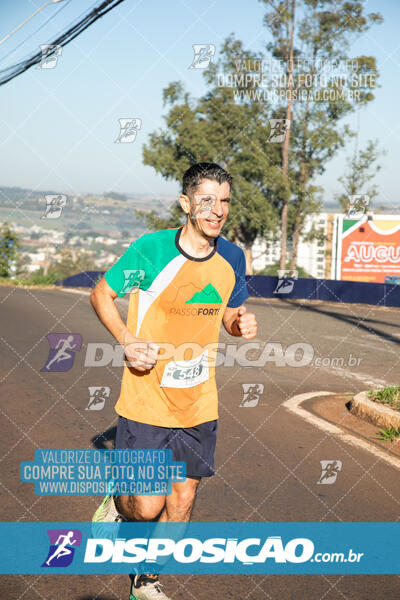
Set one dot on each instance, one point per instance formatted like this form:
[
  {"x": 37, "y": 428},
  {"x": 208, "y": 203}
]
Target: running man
[
  {"x": 99, "y": 397},
  {"x": 62, "y": 542},
  {"x": 194, "y": 279},
  {"x": 63, "y": 345}
]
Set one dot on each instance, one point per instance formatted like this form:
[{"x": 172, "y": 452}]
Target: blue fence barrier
[
  {"x": 86, "y": 279},
  {"x": 331, "y": 290}
]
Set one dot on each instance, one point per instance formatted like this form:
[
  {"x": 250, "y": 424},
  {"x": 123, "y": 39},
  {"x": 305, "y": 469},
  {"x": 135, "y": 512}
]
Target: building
[
  {"x": 264, "y": 253},
  {"x": 333, "y": 246},
  {"x": 314, "y": 256}
]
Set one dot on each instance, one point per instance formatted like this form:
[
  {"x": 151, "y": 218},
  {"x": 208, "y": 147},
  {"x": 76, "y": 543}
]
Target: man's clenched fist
[
  {"x": 246, "y": 323},
  {"x": 140, "y": 354}
]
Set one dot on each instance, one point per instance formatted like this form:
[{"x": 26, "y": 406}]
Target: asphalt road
[{"x": 267, "y": 459}]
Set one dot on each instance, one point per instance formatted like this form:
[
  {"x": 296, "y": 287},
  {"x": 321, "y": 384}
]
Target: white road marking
[
  {"x": 73, "y": 291},
  {"x": 381, "y": 347},
  {"x": 367, "y": 379},
  {"x": 293, "y": 405}
]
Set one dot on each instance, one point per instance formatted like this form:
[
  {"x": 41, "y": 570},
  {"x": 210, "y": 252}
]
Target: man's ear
[{"x": 185, "y": 203}]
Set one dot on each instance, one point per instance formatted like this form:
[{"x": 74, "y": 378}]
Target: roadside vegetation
[
  {"x": 389, "y": 435},
  {"x": 390, "y": 396},
  {"x": 13, "y": 271}
]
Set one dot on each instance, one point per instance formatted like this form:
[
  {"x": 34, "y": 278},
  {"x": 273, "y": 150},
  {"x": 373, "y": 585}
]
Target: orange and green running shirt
[{"x": 178, "y": 302}]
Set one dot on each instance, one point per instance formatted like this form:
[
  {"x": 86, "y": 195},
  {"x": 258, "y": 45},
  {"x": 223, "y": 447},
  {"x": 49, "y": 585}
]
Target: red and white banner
[{"x": 368, "y": 250}]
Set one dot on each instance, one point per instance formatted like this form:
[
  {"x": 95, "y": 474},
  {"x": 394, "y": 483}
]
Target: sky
[{"x": 58, "y": 126}]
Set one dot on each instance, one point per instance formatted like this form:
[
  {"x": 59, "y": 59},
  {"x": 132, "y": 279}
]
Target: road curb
[
  {"x": 294, "y": 405},
  {"x": 373, "y": 412}
]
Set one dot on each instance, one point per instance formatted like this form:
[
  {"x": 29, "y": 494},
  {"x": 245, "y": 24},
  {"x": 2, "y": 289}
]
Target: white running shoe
[
  {"x": 147, "y": 587},
  {"x": 106, "y": 513}
]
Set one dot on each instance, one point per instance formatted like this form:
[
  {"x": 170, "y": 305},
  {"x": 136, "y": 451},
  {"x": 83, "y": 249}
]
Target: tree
[
  {"x": 216, "y": 128},
  {"x": 356, "y": 179},
  {"x": 9, "y": 244},
  {"x": 272, "y": 270},
  {"x": 315, "y": 101},
  {"x": 155, "y": 222},
  {"x": 71, "y": 263},
  {"x": 272, "y": 181}
]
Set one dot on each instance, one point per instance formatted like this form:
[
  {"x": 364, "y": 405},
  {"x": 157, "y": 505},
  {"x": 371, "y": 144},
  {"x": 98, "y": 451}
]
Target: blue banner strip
[{"x": 208, "y": 548}]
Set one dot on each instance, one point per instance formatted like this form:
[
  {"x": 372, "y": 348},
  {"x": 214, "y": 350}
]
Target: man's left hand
[{"x": 246, "y": 323}]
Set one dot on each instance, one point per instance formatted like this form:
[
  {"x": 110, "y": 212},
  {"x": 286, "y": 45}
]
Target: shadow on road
[
  {"x": 96, "y": 598},
  {"x": 358, "y": 322},
  {"x": 100, "y": 440}
]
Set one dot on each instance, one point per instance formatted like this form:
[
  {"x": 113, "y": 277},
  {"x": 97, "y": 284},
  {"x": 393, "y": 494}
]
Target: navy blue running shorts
[{"x": 193, "y": 445}]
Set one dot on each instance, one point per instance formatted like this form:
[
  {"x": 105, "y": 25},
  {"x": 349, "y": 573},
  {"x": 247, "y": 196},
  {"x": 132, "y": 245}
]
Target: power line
[
  {"x": 62, "y": 40},
  {"x": 64, "y": 5},
  {"x": 37, "y": 11}
]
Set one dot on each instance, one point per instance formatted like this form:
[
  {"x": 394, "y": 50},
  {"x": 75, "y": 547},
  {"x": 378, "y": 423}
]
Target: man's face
[{"x": 209, "y": 207}]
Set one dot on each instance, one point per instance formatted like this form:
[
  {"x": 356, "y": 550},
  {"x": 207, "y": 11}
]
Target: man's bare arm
[
  {"x": 102, "y": 299},
  {"x": 141, "y": 354}
]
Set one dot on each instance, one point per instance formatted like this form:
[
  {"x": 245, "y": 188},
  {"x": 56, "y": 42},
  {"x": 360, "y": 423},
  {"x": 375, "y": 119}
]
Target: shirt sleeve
[
  {"x": 239, "y": 293},
  {"x": 127, "y": 273}
]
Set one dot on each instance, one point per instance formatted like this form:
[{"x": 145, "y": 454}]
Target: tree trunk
[
  {"x": 286, "y": 145},
  {"x": 296, "y": 238},
  {"x": 304, "y": 176},
  {"x": 282, "y": 261},
  {"x": 249, "y": 260}
]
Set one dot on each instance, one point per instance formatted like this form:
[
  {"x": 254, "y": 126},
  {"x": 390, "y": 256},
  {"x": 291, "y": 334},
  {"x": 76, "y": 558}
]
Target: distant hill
[{"x": 106, "y": 213}]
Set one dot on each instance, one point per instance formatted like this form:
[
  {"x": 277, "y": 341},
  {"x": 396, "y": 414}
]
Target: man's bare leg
[
  {"x": 179, "y": 504},
  {"x": 177, "y": 507}
]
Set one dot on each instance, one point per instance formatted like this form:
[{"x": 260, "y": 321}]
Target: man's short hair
[{"x": 200, "y": 171}]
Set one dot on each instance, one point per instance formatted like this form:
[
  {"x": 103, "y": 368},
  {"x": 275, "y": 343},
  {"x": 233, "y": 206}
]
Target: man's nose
[{"x": 217, "y": 208}]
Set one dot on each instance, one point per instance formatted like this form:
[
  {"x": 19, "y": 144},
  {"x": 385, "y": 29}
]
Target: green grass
[
  {"x": 273, "y": 270},
  {"x": 35, "y": 278},
  {"x": 388, "y": 435},
  {"x": 389, "y": 395}
]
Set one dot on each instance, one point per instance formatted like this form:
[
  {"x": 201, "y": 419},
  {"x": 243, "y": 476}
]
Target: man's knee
[
  {"x": 140, "y": 508},
  {"x": 183, "y": 495},
  {"x": 144, "y": 512}
]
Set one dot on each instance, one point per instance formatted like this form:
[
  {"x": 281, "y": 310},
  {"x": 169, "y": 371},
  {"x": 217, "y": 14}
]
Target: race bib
[{"x": 186, "y": 373}]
